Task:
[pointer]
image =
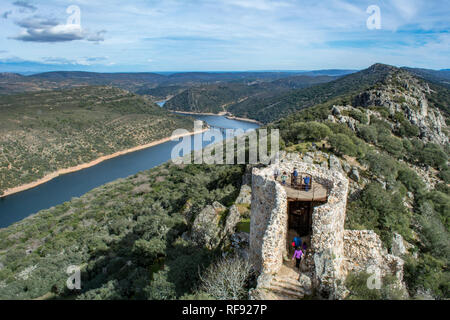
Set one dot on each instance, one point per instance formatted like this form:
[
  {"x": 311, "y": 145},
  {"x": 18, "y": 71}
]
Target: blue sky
[{"x": 226, "y": 35}]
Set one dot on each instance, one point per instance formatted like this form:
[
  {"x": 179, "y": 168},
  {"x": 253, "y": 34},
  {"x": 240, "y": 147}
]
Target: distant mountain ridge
[
  {"x": 215, "y": 98},
  {"x": 271, "y": 109},
  {"x": 438, "y": 76},
  {"x": 142, "y": 83}
]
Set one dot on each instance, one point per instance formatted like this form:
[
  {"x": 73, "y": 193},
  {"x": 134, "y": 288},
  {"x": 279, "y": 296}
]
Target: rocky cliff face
[{"x": 408, "y": 95}]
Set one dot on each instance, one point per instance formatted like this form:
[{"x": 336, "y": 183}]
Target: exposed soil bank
[{"x": 55, "y": 174}]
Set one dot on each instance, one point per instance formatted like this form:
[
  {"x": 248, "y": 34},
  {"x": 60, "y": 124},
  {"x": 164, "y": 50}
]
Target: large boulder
[
  {"x": 335, "y": 164},
  {"x": 354, "y": 174},
  {"x": 364, "y": 252},
  {"x": 232, "y": 220},
  {"x": 206, "y": 230},
  {"x": 398, "y": 246},
  {"x": 245, "y": 195}
]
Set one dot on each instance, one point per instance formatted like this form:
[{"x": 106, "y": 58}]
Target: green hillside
[
  {"x": 390, "y": 137},
  {"x": 43, "y": 132},
  {"x": 215, "y": 98},
  {"x": 269, "y": 109}
]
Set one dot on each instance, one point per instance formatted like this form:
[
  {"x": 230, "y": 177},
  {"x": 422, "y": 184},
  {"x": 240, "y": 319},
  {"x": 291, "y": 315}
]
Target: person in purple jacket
[{"x": 297, "y": 256}]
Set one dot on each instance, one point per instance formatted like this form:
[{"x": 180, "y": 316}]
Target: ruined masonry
[{"x": 332, "y": 252}]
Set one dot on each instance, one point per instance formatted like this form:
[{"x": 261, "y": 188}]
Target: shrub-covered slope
[
  {"x": 43, "y": 132},
  {"x": 126, "y": 236},
  {"x": 392, "y": 140},
  {"x": 273, "y": 108},
  {"x": 217, "y": 98}
]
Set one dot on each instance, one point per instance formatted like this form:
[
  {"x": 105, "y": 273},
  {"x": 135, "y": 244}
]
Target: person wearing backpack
[{"x": 297, "y": 241}]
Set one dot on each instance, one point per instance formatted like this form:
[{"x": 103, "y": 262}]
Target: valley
[{"x": 163, "y": 233}]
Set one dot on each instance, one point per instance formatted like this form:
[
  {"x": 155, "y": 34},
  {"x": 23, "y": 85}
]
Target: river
[{"x": 18, "y": 206}]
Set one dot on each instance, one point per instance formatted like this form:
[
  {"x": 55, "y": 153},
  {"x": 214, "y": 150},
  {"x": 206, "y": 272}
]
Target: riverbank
[
  {"x": 222, "y": 113},
  {"x": 79, "y": 167},
  {"x": 244, "y": 119}
]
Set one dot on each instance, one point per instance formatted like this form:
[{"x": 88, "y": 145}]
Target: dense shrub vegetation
[
  {"x": 128, "y": 245},
  {"x": 389, "y": 154},
  {"x": 43, "y": 132}
]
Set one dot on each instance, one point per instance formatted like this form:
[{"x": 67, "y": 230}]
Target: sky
[{"x": 222, "y": 35}]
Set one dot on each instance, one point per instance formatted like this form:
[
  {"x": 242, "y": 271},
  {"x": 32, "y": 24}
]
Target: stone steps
[
  {"x": 288, "y": 283},
  {"x": 287, "y": 292},
  {"x": 286, "y": 286}
]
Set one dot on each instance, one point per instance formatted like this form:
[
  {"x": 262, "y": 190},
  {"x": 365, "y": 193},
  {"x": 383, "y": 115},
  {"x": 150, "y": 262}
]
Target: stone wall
[{"x": 269, "y": 223}]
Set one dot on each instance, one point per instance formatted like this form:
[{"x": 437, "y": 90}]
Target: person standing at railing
[
  {"x": 294, "y": 177},
  {"x": 283, "y": 178},
  {"x": 307, "y": 181}
]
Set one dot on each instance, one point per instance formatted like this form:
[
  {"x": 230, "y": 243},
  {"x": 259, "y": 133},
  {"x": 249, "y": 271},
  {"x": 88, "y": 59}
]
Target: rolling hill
[
  {"x": 217, "y": 98},
  {"x": 384, "y": 128},
  {"x": 43, "y": 132}
]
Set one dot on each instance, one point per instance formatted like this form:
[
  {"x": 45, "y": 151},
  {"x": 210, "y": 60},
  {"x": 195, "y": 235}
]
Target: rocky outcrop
[
  {"x": 206, "y": 230},
  {"x": 211, "y": 227},
  {"x": 398, "y": 247},
  {"x": 232, "y": 220},
  {"x": 364, "y": 252},
  {"x": 245, "y": 195},
  {"x": 408, "y": 95},
  {"x": 401, "y": 93},
  {"x": 354, "y": 174}
]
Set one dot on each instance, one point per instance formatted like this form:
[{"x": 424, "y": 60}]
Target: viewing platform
[{"x": 301, "y": 192}]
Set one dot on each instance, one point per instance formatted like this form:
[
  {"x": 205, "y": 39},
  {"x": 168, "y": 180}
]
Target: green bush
[
  {"x": 342, "y": 144},
  {"x": 391, "y": 144},
  {"x": 368, "y": 133},
  {"x": 382, "y": 165},
  {"x": 356, "y": 283},
  {"x": 360, "y": 116},
  {"x": 308, "y": 131},
  {"x": 379, "y": 210},
  {"x": 427, "y": 273},
  {"x": 445, "y": 175},
  {"x": 410, "y": 180},
  {"x": 432, "y": 155}
]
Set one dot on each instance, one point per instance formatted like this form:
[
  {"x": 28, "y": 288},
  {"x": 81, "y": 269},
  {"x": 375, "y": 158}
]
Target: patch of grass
[{"x": 244, "y": 226}]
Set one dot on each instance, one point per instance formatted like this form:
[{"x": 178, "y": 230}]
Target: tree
[
  {"x": 311, "y": 131},
  {"x": 342, "y": 144},
  {"x": 368, "y": 133},
  {"x": 227, "y": 279},
  {"x": 391, "y": 144}
]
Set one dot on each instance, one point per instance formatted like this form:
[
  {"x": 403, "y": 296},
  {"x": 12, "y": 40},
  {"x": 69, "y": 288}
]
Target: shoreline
[
  {"x": 222, "y": 113},
  {"x": 244, "y": 119},
  {"x": 92, "y": 163}
]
